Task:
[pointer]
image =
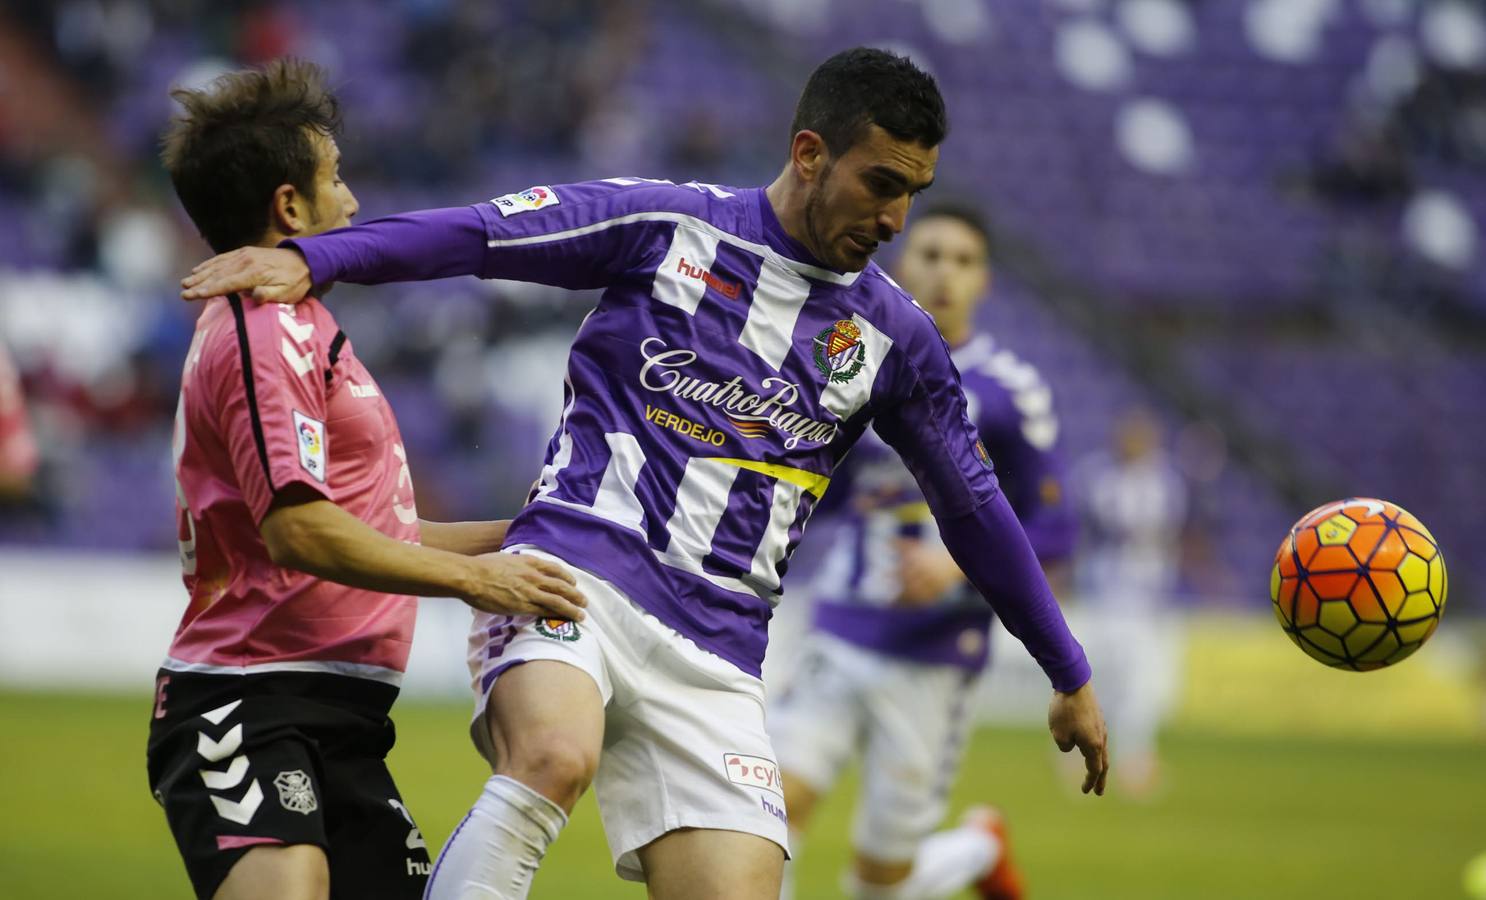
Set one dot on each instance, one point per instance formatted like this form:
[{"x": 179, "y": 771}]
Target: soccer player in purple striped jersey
[
  {"x": 899, "y": 640},
  {"x": 743, "y": 343}
]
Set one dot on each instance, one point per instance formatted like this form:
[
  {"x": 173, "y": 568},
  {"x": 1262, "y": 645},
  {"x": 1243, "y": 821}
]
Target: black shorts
[{"x": 239, "y": 761}]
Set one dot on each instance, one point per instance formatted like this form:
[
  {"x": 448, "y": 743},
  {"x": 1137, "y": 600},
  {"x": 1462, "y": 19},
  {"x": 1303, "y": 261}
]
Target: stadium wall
[{"x": 101, "y": 623}]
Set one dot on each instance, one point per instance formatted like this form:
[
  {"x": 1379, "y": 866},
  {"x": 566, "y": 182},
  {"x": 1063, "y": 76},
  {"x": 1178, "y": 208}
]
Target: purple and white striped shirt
[{"x": 710, "y": 395}]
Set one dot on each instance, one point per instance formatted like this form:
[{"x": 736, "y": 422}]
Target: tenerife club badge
[{"x": 839, "y": 353}]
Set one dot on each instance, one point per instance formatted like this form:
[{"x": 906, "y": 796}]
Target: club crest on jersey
[
  {"x": 310, "y": 435},
  {"x": 558, "y": 629},
  {"x": 296, "y": 794},
  {"x": 529, "y": 200},
  {"x": 839, "y": 353}
]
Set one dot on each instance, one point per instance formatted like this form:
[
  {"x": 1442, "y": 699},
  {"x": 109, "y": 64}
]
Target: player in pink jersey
[
  {"x": 300, "y": 541},
  {"x": 18, "y": 452}
]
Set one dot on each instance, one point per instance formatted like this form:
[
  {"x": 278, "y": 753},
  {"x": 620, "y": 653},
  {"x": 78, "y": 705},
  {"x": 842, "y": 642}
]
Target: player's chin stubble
[{"x": 814, "y": 205}]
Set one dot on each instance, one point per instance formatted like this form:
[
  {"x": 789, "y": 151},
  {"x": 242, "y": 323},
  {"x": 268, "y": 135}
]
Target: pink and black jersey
[
  {"x": 273, "y": 396},
  {"x": 18, "y": 452}
]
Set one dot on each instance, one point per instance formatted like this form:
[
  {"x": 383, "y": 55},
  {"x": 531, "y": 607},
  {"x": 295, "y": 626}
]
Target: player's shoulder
[
  {"x": 891, "y": 309},
  {"x": 992, "y": 364},
  {"x": 628, "y": 195},
  {"x": 232, "y": 329}
]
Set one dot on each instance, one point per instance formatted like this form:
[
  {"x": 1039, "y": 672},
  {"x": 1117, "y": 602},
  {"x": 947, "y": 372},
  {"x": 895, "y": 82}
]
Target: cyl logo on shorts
[
  {"x": 558, "y": 629},
  {"x": 753, "y": 771}
]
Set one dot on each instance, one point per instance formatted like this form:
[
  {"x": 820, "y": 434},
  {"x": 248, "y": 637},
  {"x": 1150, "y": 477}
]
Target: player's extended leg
[
  {"x": 799, "y": 800},
  {"x": 914, "y": 741},
  {"x": 815, "y": 725},
  {"x": 707, "y": 864},
  {"x": 546, "y": 722},
  {"x": 295, "y": 872},
  {"x": 546, "y": 728}
]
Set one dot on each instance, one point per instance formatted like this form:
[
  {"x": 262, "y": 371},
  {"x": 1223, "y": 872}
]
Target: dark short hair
[
  {"x": 865, "y": 86},
  {"x": 236, "y": 141},
  {"x": 965, "y": 215}
]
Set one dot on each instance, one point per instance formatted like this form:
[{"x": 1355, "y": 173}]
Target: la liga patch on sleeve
[
  {"x": 529, "y": 200},
  {"x": 310, "y": 436}
]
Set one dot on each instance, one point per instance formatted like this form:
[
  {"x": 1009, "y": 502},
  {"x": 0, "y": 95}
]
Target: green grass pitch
[{"x": 1240, "y": 817}]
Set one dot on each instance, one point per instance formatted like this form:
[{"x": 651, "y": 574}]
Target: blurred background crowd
[{"x": 1242, "y": 237}]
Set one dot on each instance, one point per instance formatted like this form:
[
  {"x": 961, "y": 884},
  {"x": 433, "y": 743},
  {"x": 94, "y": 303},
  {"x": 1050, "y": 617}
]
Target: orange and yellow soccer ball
[{"x": 1358, "y": 584}]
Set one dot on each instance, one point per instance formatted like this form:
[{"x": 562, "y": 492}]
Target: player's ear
[
  {"x": 287, "y": 213},
  {"x": 808, "y": 155}
]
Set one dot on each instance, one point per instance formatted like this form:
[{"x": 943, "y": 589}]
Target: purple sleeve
[
  {"x": 415, "y": 246},
  {"x": 993, "y": 552},
  {"x": 1032, "y": 478},
  {"x": 572, "y": 236},
  {"x": 928, "y": 426}
]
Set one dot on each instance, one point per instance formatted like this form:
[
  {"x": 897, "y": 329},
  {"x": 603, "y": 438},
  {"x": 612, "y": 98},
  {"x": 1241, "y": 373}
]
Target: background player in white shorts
[
  {"x": 899, "y": 639},
  {"x": 743, "y": 343}
]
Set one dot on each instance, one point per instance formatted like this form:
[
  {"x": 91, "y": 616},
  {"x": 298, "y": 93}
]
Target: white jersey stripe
[
  {"x": 845, "y": 398},
  {"x": 770, "y": 328},
  {"x": 547, "y": 481},
  {"x": 701, "y": 501},
  {"x": 560, "y": 460},
  {"x": 327, "y": 667},
  {"x": 766, "y": 559},
  {"x": 616, "y": 500},
  {"x": 678, "y": 281},
  {"x": 809, "y": 271}
]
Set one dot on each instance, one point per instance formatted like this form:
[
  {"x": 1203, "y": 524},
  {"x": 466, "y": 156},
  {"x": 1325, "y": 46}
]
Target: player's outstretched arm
[
  {"x": 993, "y": 551},
  {"x": 464, "y": 538},
  {"x": 269, "y": 274},
  {"x": 307, "y": 532},
  {"x": 929, "y": 428},
  {"x": 413, "y": 246}
]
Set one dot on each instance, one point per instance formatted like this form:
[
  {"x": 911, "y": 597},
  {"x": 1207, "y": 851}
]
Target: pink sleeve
[
  {"x": 18, "y": 451},
  {"x": 272, "y": 412}
]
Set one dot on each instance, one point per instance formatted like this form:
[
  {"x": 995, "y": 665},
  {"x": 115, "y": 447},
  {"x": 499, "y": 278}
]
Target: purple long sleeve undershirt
[
  {"x": 992, "y": 550},
  {"x": 415, "y": 246}
]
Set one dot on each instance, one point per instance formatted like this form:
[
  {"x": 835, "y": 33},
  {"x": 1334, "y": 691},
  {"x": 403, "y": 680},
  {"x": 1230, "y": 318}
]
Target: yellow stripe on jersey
[{"x": 809, "y": 482}]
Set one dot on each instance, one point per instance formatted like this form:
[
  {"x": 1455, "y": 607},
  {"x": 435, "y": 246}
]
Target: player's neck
[
  {"x": 272, "y": 237},
  {"x": 787, "y": 198}
]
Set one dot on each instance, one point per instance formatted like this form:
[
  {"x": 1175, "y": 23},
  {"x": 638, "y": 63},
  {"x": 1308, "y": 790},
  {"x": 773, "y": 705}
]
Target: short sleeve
[{"x": 272, "y": 407}]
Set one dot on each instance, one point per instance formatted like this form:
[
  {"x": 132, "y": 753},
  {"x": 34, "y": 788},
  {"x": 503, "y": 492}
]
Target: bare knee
[
  {"x": 554, "y": 765},
  {"x": 295, "y": 872},
  {"x": 881, "y": 872}
]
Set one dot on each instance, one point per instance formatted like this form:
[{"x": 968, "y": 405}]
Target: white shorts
[
  {"x": 684, "y": 739},
  {"x": 909, "y": 721}
]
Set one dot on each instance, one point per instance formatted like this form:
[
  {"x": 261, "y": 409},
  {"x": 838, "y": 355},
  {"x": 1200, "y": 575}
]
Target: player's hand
[
  {"x": 269, "y": 274},
  {"x": 512, "y": 584},
  {"x": 925, "y": 572},
  {"x": 1076, "y": 721}
]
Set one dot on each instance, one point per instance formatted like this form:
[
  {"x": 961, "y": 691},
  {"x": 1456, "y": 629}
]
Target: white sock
[
  {"x": 787, "y": 886},
  {"x": 950, "y": 861},
  {"x": 495, "y": 851},
  {"x": 946, "y": 863}
]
